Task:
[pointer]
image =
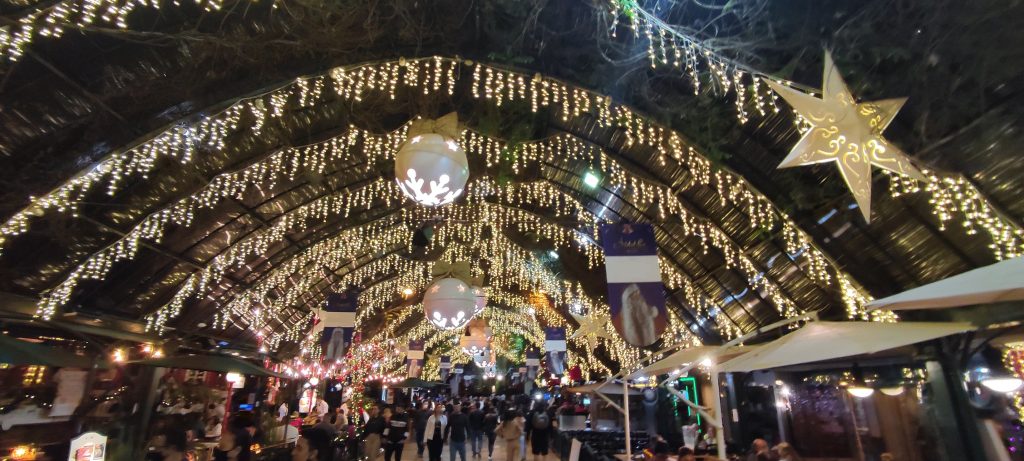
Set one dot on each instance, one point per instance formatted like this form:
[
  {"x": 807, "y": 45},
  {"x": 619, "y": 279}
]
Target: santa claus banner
[
  {"x": 414, "y": 358},
  {"x": 532, "y": 363},
  {"x": 636, "y": 293},
  {"x": 337, "y": 320},
  {"x": 554, "y": 350},
  {"x": 445, "y": 367}
]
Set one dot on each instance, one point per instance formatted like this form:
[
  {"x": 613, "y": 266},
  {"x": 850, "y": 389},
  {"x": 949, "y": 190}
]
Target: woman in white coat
[{"x": 434, "y": 436}]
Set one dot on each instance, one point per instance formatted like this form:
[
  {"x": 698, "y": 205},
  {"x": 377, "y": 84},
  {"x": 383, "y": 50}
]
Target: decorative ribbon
[
  {"x": 447, "y": 126},
  {"x": 459, "y": 270}
]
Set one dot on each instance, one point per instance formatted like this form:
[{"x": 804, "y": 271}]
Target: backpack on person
[{"x": 540, "y": 420}]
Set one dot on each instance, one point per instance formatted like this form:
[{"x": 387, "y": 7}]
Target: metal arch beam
[
  {"x": 322, "y": 293},
  {"x": 622, "y": 157},
  {"x": 545, "y": 218},
  {"x": 263, "y": 221}
]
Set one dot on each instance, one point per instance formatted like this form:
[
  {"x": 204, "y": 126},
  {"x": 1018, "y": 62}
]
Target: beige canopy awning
[
  {"x": 683, "y": 357},
  {"x": 1000, "y": 282},
  {"x": 818, "y": 341},
  {"x": 609, "y": 388}
]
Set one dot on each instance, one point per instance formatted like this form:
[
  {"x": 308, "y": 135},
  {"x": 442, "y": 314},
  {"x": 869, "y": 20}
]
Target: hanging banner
[
  {"x": 338, "y": 321},
  {"x": 636, "y": 293},
  {"x": 554, "y": 347},
  {"x": 445, "y": 367},
  {"x": 532, "y": 363},
  {"x": 414, "y": 358},
  {"x": 456, "y": 382}
]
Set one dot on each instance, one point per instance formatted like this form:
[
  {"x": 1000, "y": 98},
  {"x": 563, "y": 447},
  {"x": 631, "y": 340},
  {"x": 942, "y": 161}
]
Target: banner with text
[
  {"x": 414, "y": 359},
  {"x": 445, "y": 367},
  {"x": 532, "y": 363},
  {"x": 636, "y": 293},
  {"x": 337, "y": 320},
  {"x": 555, "y": 350}
]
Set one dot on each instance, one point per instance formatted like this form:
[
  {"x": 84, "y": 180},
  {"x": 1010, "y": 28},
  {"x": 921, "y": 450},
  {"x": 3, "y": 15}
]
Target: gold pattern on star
[
  {"x": 590, "y": 327},
  {"x": 846, "y": 132}
]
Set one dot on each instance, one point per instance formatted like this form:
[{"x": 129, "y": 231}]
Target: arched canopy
[{"x": 240, "y": 201}]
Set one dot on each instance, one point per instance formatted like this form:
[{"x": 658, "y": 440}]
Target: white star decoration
[
  {"x": 846, "y": 132},
  {"x": 591, "y": 327}
]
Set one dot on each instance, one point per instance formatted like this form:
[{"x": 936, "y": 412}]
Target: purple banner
[
  {"x": 554, "y": 350},
  {"x": 636, "y": 294},
  {"x": 414, "y": 359},
  {"x": 334, "y": 342},
  {"x": 445, "y": 367}
]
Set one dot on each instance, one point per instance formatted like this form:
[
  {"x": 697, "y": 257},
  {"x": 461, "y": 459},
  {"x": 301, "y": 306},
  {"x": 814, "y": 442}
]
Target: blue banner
[
  {"x": 335, "y": 342},
  {"x": 532, "y": 363},
  {"x": 636, "y": 294},
  {"x": 554, "y": 350},
  {"x": 414, "y": 359},
  {"x": 445, "y": 367}
]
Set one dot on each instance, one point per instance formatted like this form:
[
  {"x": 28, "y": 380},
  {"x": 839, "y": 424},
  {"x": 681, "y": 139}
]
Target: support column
[
  {"x": 716, "y": 407},
  {"x": 953, "y": 415},
  {"x": 625, "y": 407}
]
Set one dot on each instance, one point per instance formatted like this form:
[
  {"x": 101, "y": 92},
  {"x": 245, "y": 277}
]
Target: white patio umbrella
[
  {"x": 686, "y": 356},
  {"x": 1002, "y": 281},
  {"x": 606, "y": 387},
  {"x": 819, "y": 341}
]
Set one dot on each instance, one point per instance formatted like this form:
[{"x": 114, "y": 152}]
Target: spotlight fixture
[{"x": 591, "y": 179}]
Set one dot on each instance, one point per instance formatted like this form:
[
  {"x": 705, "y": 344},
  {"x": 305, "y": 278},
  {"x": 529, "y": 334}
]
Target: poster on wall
[
  {"x": 555, "y": 350},
  {"x": 90, "y": 446},
  {"x": 338, "y": 321},
  {"x": 414, "y": 358},
  {"x": 636, "y": 293}
]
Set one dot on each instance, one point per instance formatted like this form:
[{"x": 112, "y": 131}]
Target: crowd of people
[
  {"x": 470, "y": 427},
  {"x": 474, "y": 423}
]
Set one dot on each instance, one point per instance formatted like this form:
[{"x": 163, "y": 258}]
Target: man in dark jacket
[
  {"x": 457, "y": 433},
  {"x": 420, "y": 421},
  {"x": 476, "y": 433},
  {"x": 397, "y": 433}
]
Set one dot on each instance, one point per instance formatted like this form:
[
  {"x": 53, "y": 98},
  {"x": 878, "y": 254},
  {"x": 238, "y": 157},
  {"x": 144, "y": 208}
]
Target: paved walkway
[{"x": 409, "y": 453}]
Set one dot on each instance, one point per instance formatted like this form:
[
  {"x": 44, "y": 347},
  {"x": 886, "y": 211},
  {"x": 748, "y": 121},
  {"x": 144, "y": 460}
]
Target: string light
[{"x": 429, "y": 75}]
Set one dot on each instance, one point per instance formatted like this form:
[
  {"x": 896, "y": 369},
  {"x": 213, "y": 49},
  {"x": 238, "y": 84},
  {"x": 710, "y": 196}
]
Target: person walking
[
  {"x": 510, "y": 430},
  {"x": 490, "y": 425},
  {"x": 436, "y": 426},
  {"x": 458, "y": 432},
  {"x": 420, "y": 419},
  {"x": 397, "y": 434},
  {"x": 373, "y": 433},
  {"x": 539, "y": 426},
  {"x": 476, "y": 432}
]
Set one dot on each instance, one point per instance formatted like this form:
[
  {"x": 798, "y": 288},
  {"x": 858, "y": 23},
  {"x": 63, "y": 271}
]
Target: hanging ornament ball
[
  {"x": 449, "y": 303},
  {"x": 431, "y": 169},
  {"x": 481, "y": 300}
]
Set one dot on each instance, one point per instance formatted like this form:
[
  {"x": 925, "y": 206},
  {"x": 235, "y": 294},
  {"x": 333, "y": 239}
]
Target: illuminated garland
[
  {"x": 428, "y": 75},
  {"x": 1013, "y": 360},
  {"x": 950, "y": 194}
]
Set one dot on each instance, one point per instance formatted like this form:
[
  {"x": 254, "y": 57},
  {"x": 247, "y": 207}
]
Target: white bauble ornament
[
  {"x": 481, "y": 300},
  {"x": 448, "y": 303},
  {"x": 431, "y": 169}
]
